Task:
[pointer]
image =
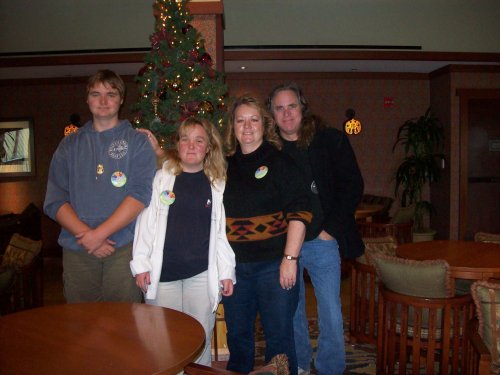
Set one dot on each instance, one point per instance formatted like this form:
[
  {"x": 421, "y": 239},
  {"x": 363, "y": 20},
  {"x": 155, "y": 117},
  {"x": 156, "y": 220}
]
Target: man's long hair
[{"x": 310, "y": 122}]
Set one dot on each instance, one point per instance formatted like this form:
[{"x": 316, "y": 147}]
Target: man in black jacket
[{"x": 331, "y": 172}]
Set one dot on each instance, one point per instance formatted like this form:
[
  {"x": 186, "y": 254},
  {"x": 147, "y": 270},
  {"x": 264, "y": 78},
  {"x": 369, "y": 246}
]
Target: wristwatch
[{"x": 290, "y": 257}]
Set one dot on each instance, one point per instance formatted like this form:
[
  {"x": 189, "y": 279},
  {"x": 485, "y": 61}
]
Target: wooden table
[
  {"x": 366, "y": 211},
  {"x": 98, "y": 338},
  {"x": 467, "y": 259}
]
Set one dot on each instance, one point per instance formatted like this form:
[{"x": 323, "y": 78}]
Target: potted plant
[{"x": 422, "y": 140}]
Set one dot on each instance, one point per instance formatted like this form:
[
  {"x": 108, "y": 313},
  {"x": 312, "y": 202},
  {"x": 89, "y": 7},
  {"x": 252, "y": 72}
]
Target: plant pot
[{"x": 426, "y": 235}]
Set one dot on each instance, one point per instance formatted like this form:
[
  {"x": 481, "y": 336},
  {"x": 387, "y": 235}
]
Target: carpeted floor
[{"x": 360, "y": 359}]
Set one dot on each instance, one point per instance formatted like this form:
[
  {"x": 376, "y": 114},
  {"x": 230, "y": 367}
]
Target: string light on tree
[{"x": 178, "y": 79}]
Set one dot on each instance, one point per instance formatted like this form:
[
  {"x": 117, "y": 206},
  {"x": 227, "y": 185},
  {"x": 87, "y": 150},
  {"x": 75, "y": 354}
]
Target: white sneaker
[{"x": 301, "y": 371}]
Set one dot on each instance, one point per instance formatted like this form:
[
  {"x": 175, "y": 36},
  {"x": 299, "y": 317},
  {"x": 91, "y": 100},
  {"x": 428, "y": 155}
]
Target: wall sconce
[
  {"x": 74, "y": 120},
  {"x": 352, "y": 125}
]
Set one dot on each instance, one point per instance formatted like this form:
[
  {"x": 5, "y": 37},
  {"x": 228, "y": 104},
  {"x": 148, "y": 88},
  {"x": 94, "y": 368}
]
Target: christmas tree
[{"x": 178, "y": 79}]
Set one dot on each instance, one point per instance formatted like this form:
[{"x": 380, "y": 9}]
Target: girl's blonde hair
[
  {"x": 214, "y": 164},
  {"x": 270, "y": 135}
]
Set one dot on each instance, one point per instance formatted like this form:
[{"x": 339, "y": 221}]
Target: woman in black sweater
[{"x": 267, "y": 208}]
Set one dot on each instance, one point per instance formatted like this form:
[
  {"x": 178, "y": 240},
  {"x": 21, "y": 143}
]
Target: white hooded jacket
[{"x": 149, "y": 239}]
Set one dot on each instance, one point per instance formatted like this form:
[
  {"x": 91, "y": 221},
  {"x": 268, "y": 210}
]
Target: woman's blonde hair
[
  {"x": 270, "y": 135},
  {"x": 214, "y": 164}
]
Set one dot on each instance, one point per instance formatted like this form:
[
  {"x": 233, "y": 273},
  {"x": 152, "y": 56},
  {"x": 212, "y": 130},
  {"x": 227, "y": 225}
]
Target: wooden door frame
[{"x": 465, "y": 96}]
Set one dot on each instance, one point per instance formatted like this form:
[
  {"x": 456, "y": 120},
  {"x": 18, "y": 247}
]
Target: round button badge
[
  {"x": 261, "y": 172},
  {"x": 167, "y": 197},
  {"x": 118, "y": 179}
]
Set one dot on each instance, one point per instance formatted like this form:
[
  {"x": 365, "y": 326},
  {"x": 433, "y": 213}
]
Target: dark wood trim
[
  {"x": 104, "y": 58},
  {"x": 476, "y": 68},
  {"x": 53, "y": 80},
  {"x": 465, "y": 96},
  {"x": 206, "y": 7},
  {"x": 325, "y": 75},
  {"x": 219, "y": 42},
  {"x": 137, "y": 57},
  {"x": 231, "y": 55}
]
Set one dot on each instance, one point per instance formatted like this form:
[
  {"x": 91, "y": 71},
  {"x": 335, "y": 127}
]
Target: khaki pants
[{"x": 90, "y": 279}]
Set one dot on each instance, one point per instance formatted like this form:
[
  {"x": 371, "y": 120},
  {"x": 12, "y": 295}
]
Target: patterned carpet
[{"x": 360, "y": 359}]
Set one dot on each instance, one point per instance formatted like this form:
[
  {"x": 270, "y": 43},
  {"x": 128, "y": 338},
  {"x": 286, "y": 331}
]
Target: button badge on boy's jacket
[
  {"x": 261, "y": 172},
  {"x": 118, "y": 179},
  {"x": 167, "y": 197}
]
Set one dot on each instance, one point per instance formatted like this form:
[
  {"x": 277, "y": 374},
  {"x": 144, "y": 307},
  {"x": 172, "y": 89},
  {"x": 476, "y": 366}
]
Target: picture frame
[{"x": 17, "y": 148}]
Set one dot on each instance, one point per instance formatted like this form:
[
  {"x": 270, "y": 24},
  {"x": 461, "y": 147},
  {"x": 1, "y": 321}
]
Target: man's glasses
[{"x": 283, "y": 108}]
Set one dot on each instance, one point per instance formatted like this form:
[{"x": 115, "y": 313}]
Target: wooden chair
[
  {"x": 219, "y": 329},
  {"x": 364, "y": 290},
  {"x": 23, "y": 256},
  {"x": 483, "y": 334},
  {"x": 477, "y": 354},
  {"x": 424, "y": 333},
  {"x": 26, "y": 291},
  {"x": 402, "y": 232}
]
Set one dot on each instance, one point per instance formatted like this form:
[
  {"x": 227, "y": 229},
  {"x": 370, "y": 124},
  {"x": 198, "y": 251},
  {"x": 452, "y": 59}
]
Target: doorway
[{"x": 479, "y": 162}]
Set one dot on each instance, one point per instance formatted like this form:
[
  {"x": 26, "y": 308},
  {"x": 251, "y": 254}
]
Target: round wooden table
[
  {"x": 467, "y": 259},
  {"x": 98, "y": 338},
  {"x": 366, "y": 211}
]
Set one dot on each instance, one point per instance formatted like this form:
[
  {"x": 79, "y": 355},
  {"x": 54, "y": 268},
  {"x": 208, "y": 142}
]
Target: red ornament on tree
[
  {"x": 206, "y": 59},
  {"x": 186, "y": 28}
]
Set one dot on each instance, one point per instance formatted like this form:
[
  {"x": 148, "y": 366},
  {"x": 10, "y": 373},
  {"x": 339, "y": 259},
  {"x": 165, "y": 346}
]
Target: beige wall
[
  {"x": 330, "y": 95},
  {"x": 436, "y": 25}
]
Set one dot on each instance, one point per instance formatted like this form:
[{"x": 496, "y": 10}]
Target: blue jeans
[
  {"x": 322, "y": 260},
  {"x": 258, "y": 291}
]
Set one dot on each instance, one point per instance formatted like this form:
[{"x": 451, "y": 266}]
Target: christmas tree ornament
[
  {"x": 206, "y": 107},
  {"x": 196, "y": 80},
  {"x": 206, "y": 59},
  {"x": 176, "y": 84}
]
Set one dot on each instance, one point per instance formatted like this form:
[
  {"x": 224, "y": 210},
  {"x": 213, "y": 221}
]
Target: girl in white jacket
[{"x": 181, "y": 257}]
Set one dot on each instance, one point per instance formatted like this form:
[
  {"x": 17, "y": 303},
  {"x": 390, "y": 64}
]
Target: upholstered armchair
[
  {"x": 364, "y": 290},
  {"x": 483, "y": 334},
  {"x": 21, "y": 275},
  {"x": 421, "y": 327},
  {"x": 399, "y": 226}
]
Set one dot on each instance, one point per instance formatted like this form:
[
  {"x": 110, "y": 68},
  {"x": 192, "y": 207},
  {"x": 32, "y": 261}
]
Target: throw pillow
[
  {"x": 383, "y": 245},
  {"x": 486, "y": 296},
  {"x": 277, "y": 366},
  {"x": 427, "y": 278},
  {"x": 487, "y": 237},
  {"x": 21, "y": 251}
]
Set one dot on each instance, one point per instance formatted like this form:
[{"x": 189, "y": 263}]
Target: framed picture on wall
[{"x": 17, "y": 148}]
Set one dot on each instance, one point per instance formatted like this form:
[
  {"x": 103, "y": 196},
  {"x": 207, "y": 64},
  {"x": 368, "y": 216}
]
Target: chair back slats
[
  {"x": 422, "y": 335},
  {"x": 364, "y": 290}
]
